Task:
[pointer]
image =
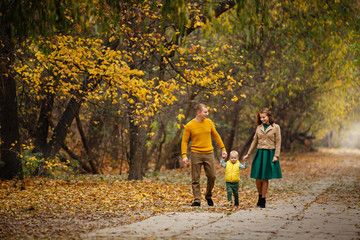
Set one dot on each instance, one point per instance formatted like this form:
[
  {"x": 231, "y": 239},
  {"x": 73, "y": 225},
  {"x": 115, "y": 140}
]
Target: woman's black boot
[
  {"x": 262, "y": 202},
  {"x": 258, "y": 203}
]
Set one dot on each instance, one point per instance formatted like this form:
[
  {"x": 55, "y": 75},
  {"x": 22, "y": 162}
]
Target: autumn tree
[
  {"x": 17, "y": 22},
  {"x": 115, "y": 92},
  {"x": 68, "y": 71},
  {"x": 292, "y": 54},
  {"x": 29, "y": 20}
]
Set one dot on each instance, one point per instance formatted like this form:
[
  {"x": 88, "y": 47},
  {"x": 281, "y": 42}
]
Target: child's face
[{"x": 233, "y": 158}]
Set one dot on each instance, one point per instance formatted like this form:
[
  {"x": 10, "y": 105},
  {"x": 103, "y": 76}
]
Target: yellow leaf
[{"x": 180, "y": 116}]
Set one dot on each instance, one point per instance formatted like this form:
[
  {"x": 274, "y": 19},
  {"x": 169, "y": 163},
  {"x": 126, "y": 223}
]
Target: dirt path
[
  {"x": 318, "y": 198},
  {"x": 330, "y": 209}
]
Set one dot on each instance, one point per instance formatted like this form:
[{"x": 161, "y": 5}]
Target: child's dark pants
[{"x": 232, "y": 188}]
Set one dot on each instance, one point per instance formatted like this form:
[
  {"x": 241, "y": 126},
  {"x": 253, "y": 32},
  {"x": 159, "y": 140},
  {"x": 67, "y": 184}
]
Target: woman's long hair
[{"x": 268, "y": 113}]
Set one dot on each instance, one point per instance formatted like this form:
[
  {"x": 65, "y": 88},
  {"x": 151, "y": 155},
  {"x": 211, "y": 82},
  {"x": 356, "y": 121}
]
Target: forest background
[
  {"x": 107, "y": 86},
  {"x": 96, "y": 93}
]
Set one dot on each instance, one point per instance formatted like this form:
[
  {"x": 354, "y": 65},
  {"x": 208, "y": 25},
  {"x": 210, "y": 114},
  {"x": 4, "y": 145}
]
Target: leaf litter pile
[{"x": 66, "y": 208}]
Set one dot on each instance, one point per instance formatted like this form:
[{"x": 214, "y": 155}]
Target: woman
[{"x": 265, "y": 165}]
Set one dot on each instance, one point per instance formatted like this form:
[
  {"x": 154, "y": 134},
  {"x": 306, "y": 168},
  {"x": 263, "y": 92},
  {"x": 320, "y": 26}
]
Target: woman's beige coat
[{"x": 269, "y": 139}]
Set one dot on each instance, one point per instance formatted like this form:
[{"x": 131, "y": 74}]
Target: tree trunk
[
  {"x": 247, "y": 144},
  {"x": 125, "y": 155},
  {"x": 234, "y": 124},
  {"x": 43, "y": 124},
  {"x": 137, "y": 151},
  {"x": 95, "y": 136},
  {"x": 114, "y": 141},
  {"x": 158, "y": 144},
  {"x": 10, "y": 164},
  {"x": 174, "y": 159},
  {"x": 90, "y": 155},
  {"x": 61, "y": 129},
  {"x": 170, "y": 148},
  {"x": 77, "y": 158}
]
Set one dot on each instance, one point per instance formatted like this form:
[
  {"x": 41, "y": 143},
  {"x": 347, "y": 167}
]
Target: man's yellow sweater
[{"x": 200, "y": 134}]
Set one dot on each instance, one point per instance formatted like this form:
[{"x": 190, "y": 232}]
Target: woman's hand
[
  {"x": 245, "y": 157},
  {"x": 275, "y": 159}
]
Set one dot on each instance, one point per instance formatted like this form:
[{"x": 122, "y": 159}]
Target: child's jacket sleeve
[
  {"x": 243, "y": 166},
  {"x": 222, "y": 163}
]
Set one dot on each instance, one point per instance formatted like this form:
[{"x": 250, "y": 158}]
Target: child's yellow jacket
[{"x": 232, "y": 172}]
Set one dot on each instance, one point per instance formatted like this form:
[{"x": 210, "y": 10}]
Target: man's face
[{"x": 203, "y": 113}]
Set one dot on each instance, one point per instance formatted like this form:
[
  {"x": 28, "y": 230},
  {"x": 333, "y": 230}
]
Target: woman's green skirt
[{"x": 263, "y": 167}]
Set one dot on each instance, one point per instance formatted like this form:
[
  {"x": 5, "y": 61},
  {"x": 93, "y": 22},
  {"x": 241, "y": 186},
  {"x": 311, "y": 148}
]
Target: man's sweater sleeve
[{"x": 217, "y": 137}]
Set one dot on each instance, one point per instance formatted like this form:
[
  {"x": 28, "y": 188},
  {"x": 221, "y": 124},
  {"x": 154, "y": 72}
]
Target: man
[{"x": 200, "y": 130}]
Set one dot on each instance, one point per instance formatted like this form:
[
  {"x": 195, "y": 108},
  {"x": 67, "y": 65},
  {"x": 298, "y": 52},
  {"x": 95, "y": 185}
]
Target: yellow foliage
[
  {"x": 74, "y": 60},
  {"x": 180, "y": 116}
]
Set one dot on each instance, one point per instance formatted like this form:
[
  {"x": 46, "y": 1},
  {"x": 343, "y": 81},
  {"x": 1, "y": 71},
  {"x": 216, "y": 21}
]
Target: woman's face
[{"x": 264, "y": 118}]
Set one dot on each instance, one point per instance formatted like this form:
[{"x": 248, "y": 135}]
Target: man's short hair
[{"x": 200, "y": 107}]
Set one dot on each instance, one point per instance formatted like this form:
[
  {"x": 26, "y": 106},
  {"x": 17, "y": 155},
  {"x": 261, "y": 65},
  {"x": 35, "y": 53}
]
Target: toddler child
[{"x": 232, "y": 176}]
